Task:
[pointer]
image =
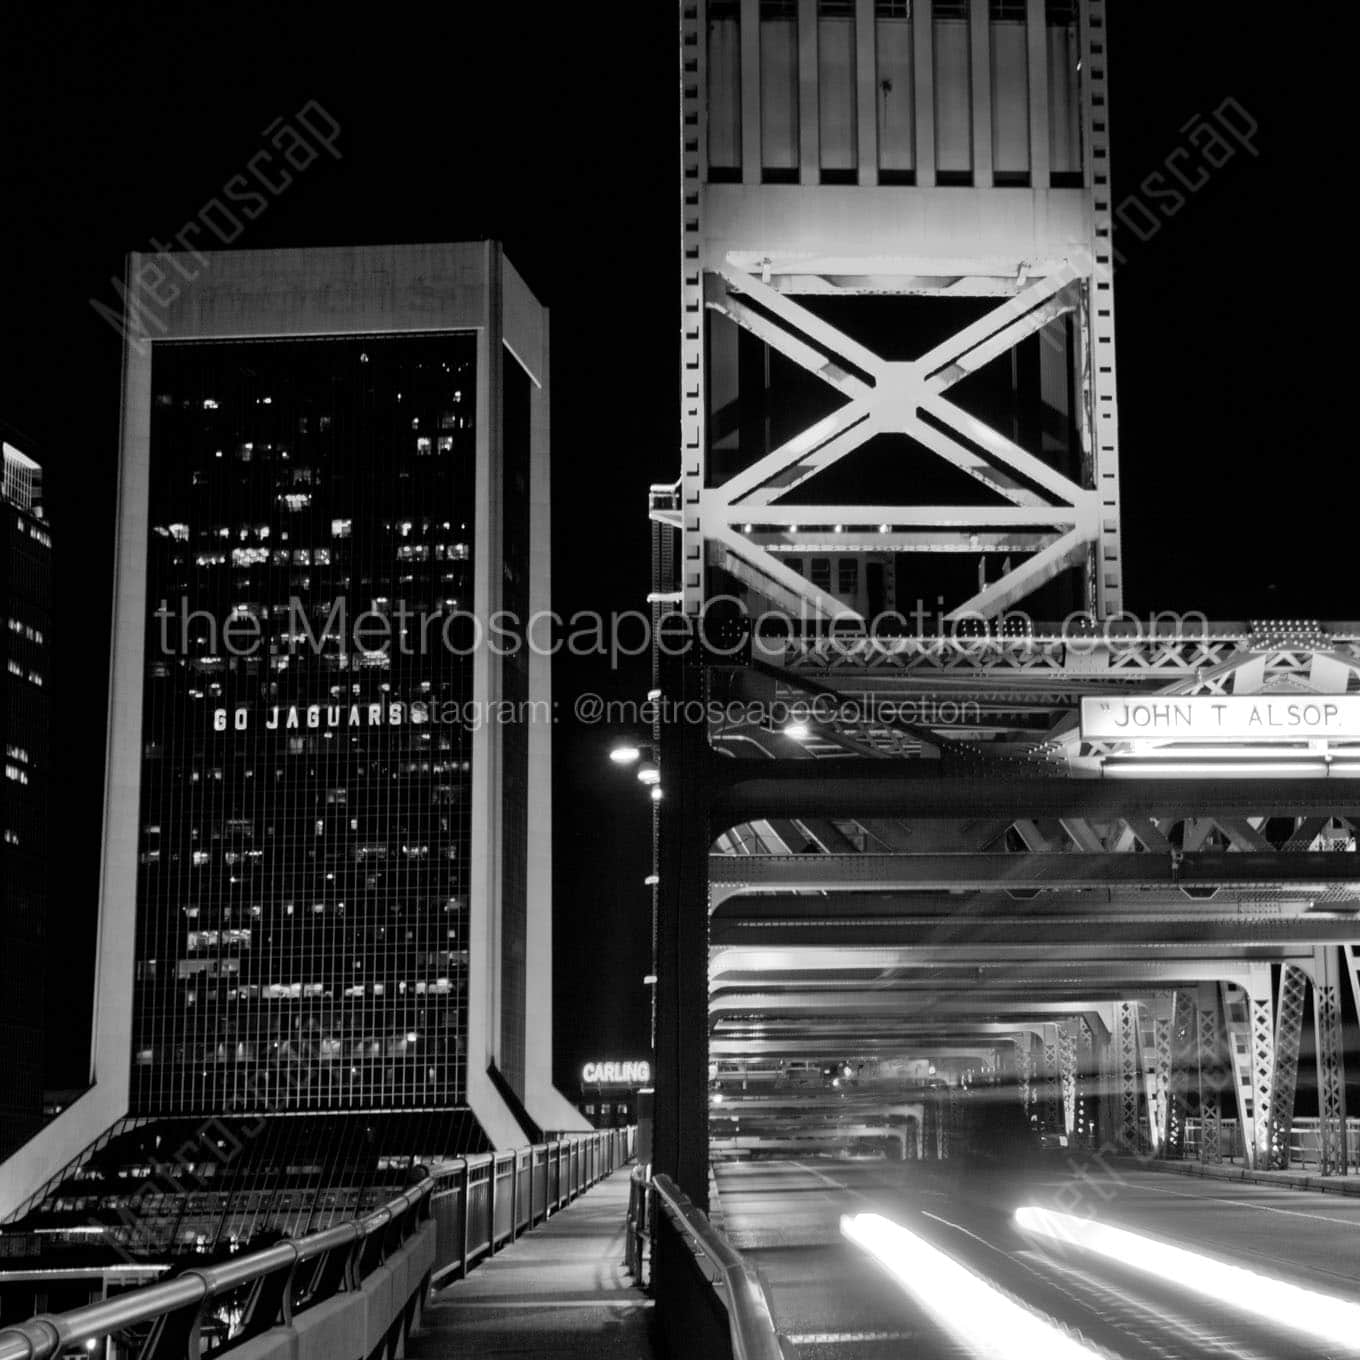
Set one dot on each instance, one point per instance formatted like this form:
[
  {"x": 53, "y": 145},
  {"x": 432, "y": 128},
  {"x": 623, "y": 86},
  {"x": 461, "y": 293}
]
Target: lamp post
[{"x": 631, "y": 752}]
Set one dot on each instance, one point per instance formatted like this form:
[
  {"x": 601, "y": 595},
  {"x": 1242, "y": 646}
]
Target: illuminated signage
[
  {"x": 300, "y": 717},
  {"x": 1222, "y": 717},
  {"x": 616, "y": 1074}
]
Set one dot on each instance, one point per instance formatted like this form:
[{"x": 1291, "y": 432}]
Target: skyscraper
[
  {"x": 25, "y": 713},
  {"x": 326, "y": 872}
]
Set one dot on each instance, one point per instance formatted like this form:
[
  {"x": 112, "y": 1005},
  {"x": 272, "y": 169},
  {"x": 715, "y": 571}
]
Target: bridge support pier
[
  {"x": 1284, "y": 1074},
  {"x": 1052, "y": 1081},
  {"x": 1213, "y": 1072},
  {"x": 1331, "y": 1073},
  {"x": 1128, "y": 1134},
  {"x": 1184, "y": 1071},
  {"x": 1067, "y": 1066},
  {"x": 680, "y": 1138}
]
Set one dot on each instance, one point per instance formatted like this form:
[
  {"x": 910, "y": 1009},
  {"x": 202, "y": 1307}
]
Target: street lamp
[
  {"x": 625, "y": 753},
  {"x": 649, "y": 772}
]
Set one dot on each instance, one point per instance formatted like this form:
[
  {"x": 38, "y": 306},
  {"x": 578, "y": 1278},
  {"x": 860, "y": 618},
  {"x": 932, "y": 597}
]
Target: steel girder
[
  {"x": 1250, "y": 1040},
  {"x": 1046, "y": 657},
  {"x": 881, "y": 940},
  {"x": 1184, "y": 1083},
  {"x": 1126, "y": 1045},
  {"x": 1213, "y": 1072},
  {"x": 1284, "y": 1076},
  {"x": 740, "y": 516},
  {"x": 1068, "y": 1032},
  {"x": 1331, "y": 1073},
  {"x": 1024, "y": 1067},
  {"x": 1111, "y": 906},
  {"x": 752, "y": 874},
  {"x": 869, "y": 786}
]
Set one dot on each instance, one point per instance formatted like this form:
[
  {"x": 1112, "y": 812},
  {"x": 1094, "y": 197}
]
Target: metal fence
[
  {"x": 1305, "y": 1141},
  {"x": 296, "y": 1293},
  {"x": 699, "y": 1278}
]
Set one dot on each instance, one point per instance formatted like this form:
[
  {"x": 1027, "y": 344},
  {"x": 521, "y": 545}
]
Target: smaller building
[
  {"x": 25, "y": 713},
  {"x": 609, "y": 1092}
]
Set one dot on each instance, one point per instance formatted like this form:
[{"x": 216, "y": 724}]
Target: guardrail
[
  {"x": 700, "y": 1276},
  {"x": 352, "y": 1291},
  {"x": 1305, "y": 1141},
  {"x": 638, "y": 1227}
]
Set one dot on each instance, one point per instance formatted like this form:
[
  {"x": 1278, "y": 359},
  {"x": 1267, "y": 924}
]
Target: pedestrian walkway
[
  {"x": 1235, "y": 1171},
  {"x": 559, "y": 1293}
]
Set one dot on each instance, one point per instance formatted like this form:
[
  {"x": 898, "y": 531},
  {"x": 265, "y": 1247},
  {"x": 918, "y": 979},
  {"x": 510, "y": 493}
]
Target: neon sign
[{"x": 616, "y": 1074}]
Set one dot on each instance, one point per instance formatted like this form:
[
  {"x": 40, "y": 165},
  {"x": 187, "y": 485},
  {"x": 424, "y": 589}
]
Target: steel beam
[
  {"x": 1126, "y": 1040},
  {"x": 1213, "y": 1073},
  {"x": 1284, "y": 1076},
  {"x": 881, "y": 936},
  {"x": 752, "y": 874},
  {"x": 1184, "y": 1070},
  {"x": 1331, "y": 1071}
]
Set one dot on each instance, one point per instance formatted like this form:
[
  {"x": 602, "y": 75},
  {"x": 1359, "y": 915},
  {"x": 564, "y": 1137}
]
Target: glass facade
[
  {"x": 302, "y": 906},
  {"x": 25, "y": 722}
]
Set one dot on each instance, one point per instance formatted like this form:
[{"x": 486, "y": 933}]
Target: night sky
[{"x": 554, "y": 128}]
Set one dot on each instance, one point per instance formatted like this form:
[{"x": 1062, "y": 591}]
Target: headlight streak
[
  {"x": 973, "y": 1311},
  {"x": 1321, "y": 1316}
]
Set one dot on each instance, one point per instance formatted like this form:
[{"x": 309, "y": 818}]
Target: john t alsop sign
[{"x": 1219, "y": 717}]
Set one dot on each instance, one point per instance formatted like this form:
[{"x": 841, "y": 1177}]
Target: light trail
[
  {"x": 973, "y": 1311},
  {"x": 1320, "y": 1316}
]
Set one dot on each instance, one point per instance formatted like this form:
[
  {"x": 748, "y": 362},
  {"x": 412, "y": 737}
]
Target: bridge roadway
[{"x": 833, "y": 1302}]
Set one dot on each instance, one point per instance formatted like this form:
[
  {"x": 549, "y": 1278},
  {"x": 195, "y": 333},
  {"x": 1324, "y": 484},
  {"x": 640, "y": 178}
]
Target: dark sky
[{"x": 554, "y": 128}]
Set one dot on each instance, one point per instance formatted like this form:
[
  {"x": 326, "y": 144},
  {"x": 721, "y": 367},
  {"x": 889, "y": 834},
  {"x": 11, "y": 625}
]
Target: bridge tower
[
  {"x": 896, "y": 264},
  {"x": 905, "y": 833}
]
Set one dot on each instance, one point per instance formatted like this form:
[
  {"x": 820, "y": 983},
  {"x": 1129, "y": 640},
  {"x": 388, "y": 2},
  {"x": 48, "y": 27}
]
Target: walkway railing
[
  {"x": 351, "y": 1291},
  {"x": 699, "y": 1276},
  {"x": 1305, "y": 1141}
]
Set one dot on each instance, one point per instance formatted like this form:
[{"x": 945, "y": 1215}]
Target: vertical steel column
[
  {"x": 1184, "y": 1071},
  {"x": 1331, "y": 1070},
  {"x": 1098, "y": 314},
  {"x": 1154, "y": 1036},
  {"x": 1162, "y": 1047},
  {"x": 1050, "y": 1085},
  {"x": 1052, "y": 1081},
  {"x": 1067, "y": 1064},
  {"x": 1284, "y": 1076},
  {"x": 1261, "y": 1041},
  {"x": 866, "y": 110},
  {"x": 930, "y": 1126},
  {"x": 1088, "y": 1084},
  {"x": 1024, "y": 1069},
  {"x": 1213, "y": 1072},
  {"x": 680, "y": 1147},
  {"x": 1128, "y": 1127}
]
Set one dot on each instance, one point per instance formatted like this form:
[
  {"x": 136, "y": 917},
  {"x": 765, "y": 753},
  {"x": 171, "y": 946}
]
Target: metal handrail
[
  {"x": 754, "y": 1335},
  {"x": 48, "y": 1335}
]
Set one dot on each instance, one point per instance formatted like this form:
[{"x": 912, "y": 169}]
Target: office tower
[
  {"x": 25, "y": 716},
  {"x": 326, "y": 895}
]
